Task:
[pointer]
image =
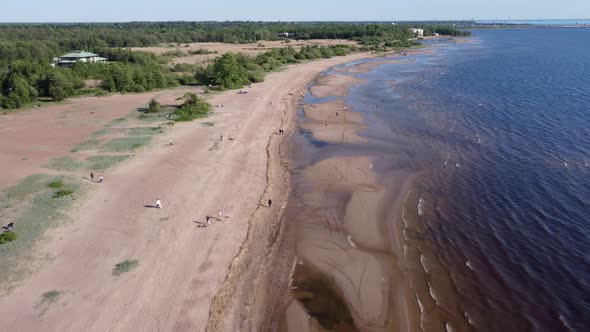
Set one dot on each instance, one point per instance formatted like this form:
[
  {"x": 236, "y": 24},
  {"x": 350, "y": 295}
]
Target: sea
[{"x": 496, "y": 130}]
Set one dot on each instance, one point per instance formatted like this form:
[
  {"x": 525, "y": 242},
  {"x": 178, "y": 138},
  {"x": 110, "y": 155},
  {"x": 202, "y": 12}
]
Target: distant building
[
  {"x": 70, "y": 59},
  {"x": 287, "y": 34},
  {"x": 418, "y": 32}
]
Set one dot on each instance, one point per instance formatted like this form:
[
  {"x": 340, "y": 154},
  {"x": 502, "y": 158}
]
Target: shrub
[
  {"x": 193, "y": 108},
  {"x": 8, "y": 237},
  {"x": 55, "y": 184},
  {"x": 154, "y": 106},
  {"x": 63, "y": 193},
  {"x": 125, "y": 266}
]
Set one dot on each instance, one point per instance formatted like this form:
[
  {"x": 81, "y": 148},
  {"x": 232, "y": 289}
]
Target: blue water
[
  {"x": 493, "y": 136},
  {"x": 502, "y": 128},
  {"x": 538, "y": 22}
]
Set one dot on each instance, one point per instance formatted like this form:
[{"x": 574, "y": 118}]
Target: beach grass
[
  {"x": 102, "y": 132},
  {"x": 65, "y": 163},
  {"x": 93, "y": 163},
  {"x": 125, "y": 266},
  {"x": 126, "y": 143},
  {"x": 91, "y": 144},
  {"x": 145, "y": 131},
  {"x": 101, "y": 163},
  {"x": 34, "y": 207}
]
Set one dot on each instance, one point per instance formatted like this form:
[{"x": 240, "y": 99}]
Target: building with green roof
[{"x": 69, "y": 59}]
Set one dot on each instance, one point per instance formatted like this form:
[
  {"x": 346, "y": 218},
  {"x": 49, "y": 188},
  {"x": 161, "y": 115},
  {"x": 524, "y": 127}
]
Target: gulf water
[{"x": 499, "y": 128}]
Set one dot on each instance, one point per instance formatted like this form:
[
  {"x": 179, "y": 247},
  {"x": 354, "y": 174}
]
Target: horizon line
[{"x": 298, "y": 21}]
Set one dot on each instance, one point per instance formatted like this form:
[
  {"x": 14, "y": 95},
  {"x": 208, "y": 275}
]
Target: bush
[
  {"x": 8, "y": 237},
  {"x": 63, "y": 193},
  {"x": 55, "y": 184},
  {"x": 154, "y": 106},
  {"x": 193, "y": 108},
  {"x": 125, "y": 266}
]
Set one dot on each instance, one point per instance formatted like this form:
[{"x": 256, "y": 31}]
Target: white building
[
  {"x": 69, "y": 59},
  {"x": 419, "y": 33}
]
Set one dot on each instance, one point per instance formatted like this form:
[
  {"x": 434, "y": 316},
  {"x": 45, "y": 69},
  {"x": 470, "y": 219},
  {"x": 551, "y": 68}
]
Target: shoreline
[{"x": 345, "y": 260}]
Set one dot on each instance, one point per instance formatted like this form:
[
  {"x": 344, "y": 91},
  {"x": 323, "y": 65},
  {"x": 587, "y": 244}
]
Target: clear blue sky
[{"x": 295, "y": 10}]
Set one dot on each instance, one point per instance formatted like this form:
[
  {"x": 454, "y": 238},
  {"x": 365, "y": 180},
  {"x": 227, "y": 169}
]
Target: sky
[{"x": 297, "y": 10}]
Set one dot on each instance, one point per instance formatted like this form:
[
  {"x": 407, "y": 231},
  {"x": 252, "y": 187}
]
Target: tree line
[{"x": 26, "y": 51}]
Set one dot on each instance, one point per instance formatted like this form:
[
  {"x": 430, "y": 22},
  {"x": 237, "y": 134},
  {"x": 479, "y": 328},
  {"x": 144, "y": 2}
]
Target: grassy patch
[
  {"x": 125, "y": 266},
  {"x": 126, "y": 144},
  {"x": 90, "y": 144},
  {"x": 65, "y": 164},
  {"x": 143, "y": 131},
  {"x": 47, "y": 299},
  {"x": 63, "y": 193},
  {"x": 33, "y": 210},
  {"x": 55, "y": 184},
  {"x": 8, "y": 237},
  {"x": 102, "y": 132},
  {"x": 50, "y": 297},
  {"x": 101, "y": 163}
]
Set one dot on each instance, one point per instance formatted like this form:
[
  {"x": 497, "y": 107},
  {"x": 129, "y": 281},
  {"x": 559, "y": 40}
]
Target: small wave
[
  {"x": 469, "y": 320},
  {"x": 420, "y": 206},
  {"x": 433, "y": 294},
  {"x": 425, "y": 265},
  {"x": 449, "y": 328}
]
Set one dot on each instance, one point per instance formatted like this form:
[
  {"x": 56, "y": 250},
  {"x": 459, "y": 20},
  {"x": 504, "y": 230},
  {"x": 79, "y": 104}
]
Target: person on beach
[
  {"x": 219, "y": 216},
  {"x": 336, "y": 113},
  {"x": 158, "y": 204},
  {"x": 221, "y": 138},
  {"x": 100, "y": 179},
  {"x": 269, "y": 203},
  {"x": 92, "y": 176}
]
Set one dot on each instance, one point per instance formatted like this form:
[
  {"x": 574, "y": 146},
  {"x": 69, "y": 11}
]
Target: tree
[{"x": 229, "y": 73}]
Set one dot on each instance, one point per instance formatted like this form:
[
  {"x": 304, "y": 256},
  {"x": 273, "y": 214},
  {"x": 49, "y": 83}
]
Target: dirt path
[{"x": 181, "y": 266}]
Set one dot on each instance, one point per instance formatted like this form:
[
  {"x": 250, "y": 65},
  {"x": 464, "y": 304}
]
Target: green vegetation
[
  {"x": 63, "y": 193},
  {"x": 175, "y": 53},
  {"x": 51, "y": 296},
  {"x": 193, "y": 108},
  {"x": 126, "y": 143},
  {"x": 233, "y": 71},
  {"x": 140, "y": 131},
  {"x": 125, "y": 266},
  {"x": 101, "y": 163},
  {"x": 202, "y": 51},
  {"x": 154, "y": 106},
  {"x": 91, "y": 144},
  {"x": 7, "y": 237},
  {"x": 94, "y": 163},
  {"x": 33, "y": 210},
  {"x": 55, "y": 184},
  {"x": 65, "y": 163},
  {"x": 26, "y": 74}
]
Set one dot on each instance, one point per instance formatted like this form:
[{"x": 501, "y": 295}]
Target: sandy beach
[{"x": 188, "y": 276}]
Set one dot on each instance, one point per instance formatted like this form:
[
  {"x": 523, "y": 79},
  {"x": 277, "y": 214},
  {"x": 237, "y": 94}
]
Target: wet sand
[{"x": 351, "y": 234}]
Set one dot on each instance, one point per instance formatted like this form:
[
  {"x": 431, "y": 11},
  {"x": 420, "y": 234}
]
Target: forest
[{"x": 26, "y": 52}]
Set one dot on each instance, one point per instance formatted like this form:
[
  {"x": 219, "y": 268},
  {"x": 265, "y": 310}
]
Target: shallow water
[{"x": 496, "y": 134}]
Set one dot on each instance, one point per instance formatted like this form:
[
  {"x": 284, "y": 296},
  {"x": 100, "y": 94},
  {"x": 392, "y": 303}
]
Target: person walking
[
  {"x": 158, "y": 204},
  {"x": 92, "y": 176},
  {"x": 100, "y": 179},
  {"x": 269, "y": 203}
]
